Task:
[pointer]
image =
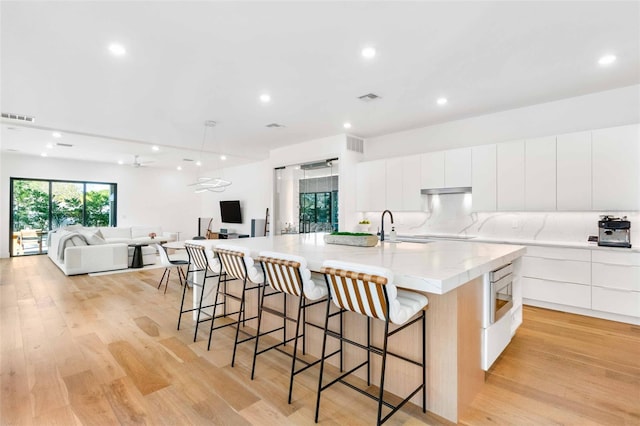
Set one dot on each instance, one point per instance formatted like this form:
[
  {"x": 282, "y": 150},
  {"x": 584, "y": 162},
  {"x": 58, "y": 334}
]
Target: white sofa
[{"x": 86, "y": 250}]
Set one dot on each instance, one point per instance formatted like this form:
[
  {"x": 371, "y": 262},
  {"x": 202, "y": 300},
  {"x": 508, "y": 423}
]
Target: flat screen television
[{"x": 230, "y": 211}]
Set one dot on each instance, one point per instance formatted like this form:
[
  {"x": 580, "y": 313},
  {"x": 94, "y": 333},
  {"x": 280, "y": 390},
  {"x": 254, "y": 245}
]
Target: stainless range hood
[{"x": 456, "y": 190}]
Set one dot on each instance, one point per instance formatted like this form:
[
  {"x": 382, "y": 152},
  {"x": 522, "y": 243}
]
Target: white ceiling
[{"x": 188, "y": 62}]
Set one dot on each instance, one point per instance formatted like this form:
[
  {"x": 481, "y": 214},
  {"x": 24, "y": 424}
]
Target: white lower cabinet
[
  {"x": 557, "y": 275},
  {"x": 562, "y": 293},
  {"x": 615, "y": 283},
  {"x": 599, "y": 282},
  {"x": 616, "y": 301}
]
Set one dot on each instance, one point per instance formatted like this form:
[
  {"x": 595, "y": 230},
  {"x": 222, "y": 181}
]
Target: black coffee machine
[{"x": 614, "y": 232}]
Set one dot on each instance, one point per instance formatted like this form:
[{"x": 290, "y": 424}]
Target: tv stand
[{"x": 226, "y": 236}]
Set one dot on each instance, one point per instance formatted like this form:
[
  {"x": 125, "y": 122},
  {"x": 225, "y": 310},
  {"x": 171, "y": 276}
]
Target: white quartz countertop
[{"x": 436, "y": 267}]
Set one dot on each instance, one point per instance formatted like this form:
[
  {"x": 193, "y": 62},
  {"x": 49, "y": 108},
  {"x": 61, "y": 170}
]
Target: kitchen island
[{"x": 451, "y": 274}]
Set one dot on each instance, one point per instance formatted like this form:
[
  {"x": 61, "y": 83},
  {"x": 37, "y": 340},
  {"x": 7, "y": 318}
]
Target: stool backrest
[
  {"x": 283, "y": 274},
  {"x": 233, "y": 263},
  {"x": 360, "y": 288},
  {"x": 237, "y": 262},
  {"x": 197, "y": 256}
]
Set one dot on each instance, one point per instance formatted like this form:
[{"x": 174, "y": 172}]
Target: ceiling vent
[
  {"x": 187, "y": 159},
  {"x": 18, "y": 117},
  {"x": 355, "y": 144},
  {"x": 66, "y": 145},
  {"x": 275, "y": 125},
  {"x": 369, "y": 97}
]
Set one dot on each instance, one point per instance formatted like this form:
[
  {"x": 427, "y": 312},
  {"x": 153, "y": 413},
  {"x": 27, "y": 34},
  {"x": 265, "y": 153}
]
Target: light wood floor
[{"x": 104, "y": 350}]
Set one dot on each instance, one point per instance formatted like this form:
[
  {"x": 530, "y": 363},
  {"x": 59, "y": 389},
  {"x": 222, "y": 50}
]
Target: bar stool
[
  {"x": 288, "y": 275},
  {"x": 370, "y": 291},
  {"x": 168, "y": 265},
  {"x": 201, "y": 260},
  {"x": 237, "y": 265}
]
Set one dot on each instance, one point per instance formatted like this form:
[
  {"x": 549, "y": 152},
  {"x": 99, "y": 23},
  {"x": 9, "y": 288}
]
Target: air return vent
[
  {"x": 369, "y": 97},
  {"x": 66, "y": 145},
  {"x": 355, "y": 144},
  {"x": 18, "y": 117},
  {"x": 187, "y": 159},
  {"x": 275, "y": 125}
]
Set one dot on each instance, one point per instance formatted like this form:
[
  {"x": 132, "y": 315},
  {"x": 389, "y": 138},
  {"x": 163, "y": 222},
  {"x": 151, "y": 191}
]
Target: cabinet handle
[
  {"x": 561, "y": 260},
  {"x": 621, "y": 290},
  {"x": 557, "y": 281}
]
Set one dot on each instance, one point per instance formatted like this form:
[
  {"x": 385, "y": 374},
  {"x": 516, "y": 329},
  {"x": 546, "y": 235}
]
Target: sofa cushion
[{"x": 115, "y": 232}]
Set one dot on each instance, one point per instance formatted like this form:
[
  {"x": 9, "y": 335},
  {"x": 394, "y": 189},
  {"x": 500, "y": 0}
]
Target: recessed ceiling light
[
  {"x": 56, "y": 135},
  {"x": 607, "y": 59},
  {"x": 117, "y": 49},
  {"x": 347, "y": 125},
  {"x": 198, "y": 163},
  {"x": 179, "y": 168},
  {"x": 155, "y": 148},
  {"x": 50, "y": 146},
  {"x": 223, "y": 157},
  {"x": 368, "y": 52},
  {"x": 44, "y": 154},
  {"x": 120, "y": 162},
  {"x": 441, "y": 101},
  {"x": 265, "y": 98}
]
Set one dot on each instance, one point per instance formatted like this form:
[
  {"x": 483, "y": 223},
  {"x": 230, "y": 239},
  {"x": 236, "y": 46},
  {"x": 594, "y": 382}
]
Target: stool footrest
[{"x": 343, "y": 375}]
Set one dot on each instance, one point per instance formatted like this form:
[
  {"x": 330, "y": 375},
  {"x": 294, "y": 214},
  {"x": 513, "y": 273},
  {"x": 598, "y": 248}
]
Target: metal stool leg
[
  {"x": 324, "y": 348},
  {"x": 184, "y": 290},
  {"x": 384, "y": 367},
  {"x": 295, "y": 346},
  {"x": 240, "y": 315}
]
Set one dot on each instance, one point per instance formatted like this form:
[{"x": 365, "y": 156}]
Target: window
[
  {"x": 39, "y": 206},
  {"x": 319, "y": 211}
]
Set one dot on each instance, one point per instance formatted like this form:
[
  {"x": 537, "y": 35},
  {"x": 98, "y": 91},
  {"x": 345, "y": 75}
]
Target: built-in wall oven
[
  {"x": 501, "y": 292},
  {"x": 497, "y": 318}
]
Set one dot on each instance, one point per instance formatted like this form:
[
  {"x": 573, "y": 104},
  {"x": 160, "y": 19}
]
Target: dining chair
[{"x": 169, "y": 265}]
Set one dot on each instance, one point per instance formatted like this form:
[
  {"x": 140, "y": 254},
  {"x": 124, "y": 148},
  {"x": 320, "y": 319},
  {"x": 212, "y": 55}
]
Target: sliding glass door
[{"x": 40, "y": 206}]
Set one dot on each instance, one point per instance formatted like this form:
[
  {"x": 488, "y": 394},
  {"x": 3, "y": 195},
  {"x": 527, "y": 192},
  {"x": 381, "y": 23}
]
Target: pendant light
[{"x": 209, "y": 184}]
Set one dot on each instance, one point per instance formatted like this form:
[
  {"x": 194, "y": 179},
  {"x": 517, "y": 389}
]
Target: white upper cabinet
[
  {"x": 616, "y": 168},
  {"x": 432, "y": 170},
  {"x": 483, "y": 177},
  {"x": 457, "y": 168},
  {"x": 540, "y": 174},
  {"x": 574, "y": 171},
  {"x": 371, "y": 185},
  {"x": 394, "y": 185},
  {"x": 510, "y": 176},
  {"x": 411, "y": 197},
  {"x": 446, "y": 169}
]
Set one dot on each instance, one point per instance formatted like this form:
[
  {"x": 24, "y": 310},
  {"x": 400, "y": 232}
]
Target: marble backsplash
[{"x": 451, "y": 215}]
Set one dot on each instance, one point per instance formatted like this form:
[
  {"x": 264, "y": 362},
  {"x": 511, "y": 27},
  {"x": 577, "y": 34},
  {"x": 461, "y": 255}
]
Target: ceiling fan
[{"x": 137, "y": 163}]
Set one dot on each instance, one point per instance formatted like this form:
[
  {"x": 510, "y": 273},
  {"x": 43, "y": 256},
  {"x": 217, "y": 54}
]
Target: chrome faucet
[{"x": 382, "y": 223}]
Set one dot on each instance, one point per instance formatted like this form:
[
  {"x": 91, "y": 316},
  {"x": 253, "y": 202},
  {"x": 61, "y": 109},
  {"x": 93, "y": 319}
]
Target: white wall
[
  {"x": 309, "y": 151},
  {"x": 146, "y": 196},
  {"x": 251, "y": 184},
  {"x": 597, "y": 110}
]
